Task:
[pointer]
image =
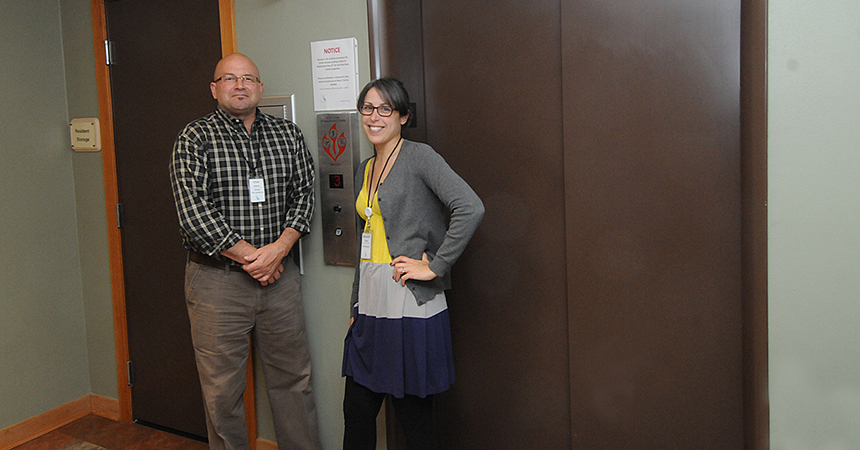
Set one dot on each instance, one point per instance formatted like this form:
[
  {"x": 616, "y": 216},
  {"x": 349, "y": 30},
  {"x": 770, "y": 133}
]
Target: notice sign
[{"x": 335, "y": 74}]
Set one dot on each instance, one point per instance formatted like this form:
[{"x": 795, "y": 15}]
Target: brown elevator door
[
  {"x": 599, "y": 304},
  {"x": 164, "y": 53},
  {"x": 654, "y": 240}
]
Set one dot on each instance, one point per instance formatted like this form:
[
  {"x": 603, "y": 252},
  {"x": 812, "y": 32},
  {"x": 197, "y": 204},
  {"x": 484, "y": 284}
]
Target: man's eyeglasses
[
  {"x": 383, "y": 110},
  {"x": 233, "y": 79}
]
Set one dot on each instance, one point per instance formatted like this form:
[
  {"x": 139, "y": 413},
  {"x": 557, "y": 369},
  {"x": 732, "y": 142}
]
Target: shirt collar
[{"x": 258, "y": 116}]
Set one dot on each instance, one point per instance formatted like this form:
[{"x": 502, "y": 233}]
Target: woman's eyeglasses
[{"x": 383, "y": 110}]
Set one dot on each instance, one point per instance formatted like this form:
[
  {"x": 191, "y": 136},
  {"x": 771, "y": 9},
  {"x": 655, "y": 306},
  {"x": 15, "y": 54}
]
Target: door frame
[
  {"x": 754, "y": 260},
  {"x": 228, "y": 45}
]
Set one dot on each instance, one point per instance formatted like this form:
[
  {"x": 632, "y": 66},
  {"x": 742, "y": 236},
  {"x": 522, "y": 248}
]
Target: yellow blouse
[{"x": 379, "y": 245}]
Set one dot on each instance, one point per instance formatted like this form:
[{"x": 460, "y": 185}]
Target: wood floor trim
[
  {"x": 51, "y": 420},
  {"x": 263, "y": 444}
]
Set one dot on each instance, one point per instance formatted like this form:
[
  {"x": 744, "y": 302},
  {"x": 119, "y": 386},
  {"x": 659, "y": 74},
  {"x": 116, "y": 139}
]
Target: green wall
[
  {"x": 43, "y": 339},
  {"x": 814, "y": 224},
  {"x": 90, "y": 199}
]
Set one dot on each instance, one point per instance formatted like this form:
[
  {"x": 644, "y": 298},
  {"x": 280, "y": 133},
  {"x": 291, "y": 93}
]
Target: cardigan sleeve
[{"x": 465, "y": 207}]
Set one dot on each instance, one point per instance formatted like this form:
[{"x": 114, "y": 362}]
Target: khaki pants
[{"x": 225, "y": 308}]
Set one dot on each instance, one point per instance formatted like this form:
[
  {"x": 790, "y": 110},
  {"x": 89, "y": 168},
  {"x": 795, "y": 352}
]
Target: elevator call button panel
[{"x": 338, "y": 140}]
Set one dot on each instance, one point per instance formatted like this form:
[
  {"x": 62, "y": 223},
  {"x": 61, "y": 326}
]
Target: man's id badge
[{"x": 257, "y": 188}]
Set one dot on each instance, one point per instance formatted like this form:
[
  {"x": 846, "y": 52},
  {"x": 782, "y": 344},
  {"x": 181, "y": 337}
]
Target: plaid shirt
[{"x": 213, "y": 159}]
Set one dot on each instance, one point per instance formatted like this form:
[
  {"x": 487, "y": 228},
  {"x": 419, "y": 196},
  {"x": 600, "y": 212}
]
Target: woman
[{"x": 399, "y": 340}]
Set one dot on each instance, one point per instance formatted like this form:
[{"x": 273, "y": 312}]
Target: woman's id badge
[
  {"x": 365, "y": 245},
  {"x": 366, "y": 238}
]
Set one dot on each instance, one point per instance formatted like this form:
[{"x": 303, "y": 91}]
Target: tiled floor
[{"x": 112, "y": 436}]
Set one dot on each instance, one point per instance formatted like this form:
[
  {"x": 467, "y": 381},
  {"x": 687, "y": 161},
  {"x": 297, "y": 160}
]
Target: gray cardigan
[{"x": 415, "y": 199}]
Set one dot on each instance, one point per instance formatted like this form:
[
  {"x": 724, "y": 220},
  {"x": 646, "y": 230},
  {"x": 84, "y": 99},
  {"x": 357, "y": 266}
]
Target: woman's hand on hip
[{"x": 412, "y": 269}]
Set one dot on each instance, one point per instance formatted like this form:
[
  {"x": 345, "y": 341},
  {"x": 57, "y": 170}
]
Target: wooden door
[
  {"x": 164, "y": 53},
  {"x": 600, "y": 304}
]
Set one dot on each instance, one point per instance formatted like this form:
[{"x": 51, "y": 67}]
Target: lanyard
[
  {"x": 369, "y": 211},
  {"x": 250, "y": 150}
]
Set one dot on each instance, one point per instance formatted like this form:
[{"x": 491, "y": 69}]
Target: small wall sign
[{"x": 85, "y": 135}]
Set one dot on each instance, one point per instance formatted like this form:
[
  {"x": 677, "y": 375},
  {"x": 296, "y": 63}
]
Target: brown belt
[{"x": 212, "y": 262}]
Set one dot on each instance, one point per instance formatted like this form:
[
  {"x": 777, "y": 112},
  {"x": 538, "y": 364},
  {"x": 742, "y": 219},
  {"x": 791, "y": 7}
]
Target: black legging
[{"x": 361, "y": 406}]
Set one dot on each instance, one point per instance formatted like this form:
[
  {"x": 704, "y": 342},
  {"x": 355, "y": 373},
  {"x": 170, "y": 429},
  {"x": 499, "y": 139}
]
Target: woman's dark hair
[{"x": 392, "y": 91}]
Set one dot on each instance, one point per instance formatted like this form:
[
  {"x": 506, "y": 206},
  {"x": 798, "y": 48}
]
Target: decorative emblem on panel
[{"x": 333, "y": 144}]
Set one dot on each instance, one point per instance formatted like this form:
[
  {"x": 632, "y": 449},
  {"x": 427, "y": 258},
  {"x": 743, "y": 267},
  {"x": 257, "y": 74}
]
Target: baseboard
[
  {"x": 104, "y": 406},
  {"x": 263, "y": 444},
  {"x": 51, "y": 420}
]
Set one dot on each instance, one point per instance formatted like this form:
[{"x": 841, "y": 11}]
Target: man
[{"x": 243, "y": 185}]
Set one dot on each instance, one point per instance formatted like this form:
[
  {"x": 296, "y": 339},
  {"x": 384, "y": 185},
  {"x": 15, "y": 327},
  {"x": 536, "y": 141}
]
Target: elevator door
[{"x": 599, "y": 304}]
